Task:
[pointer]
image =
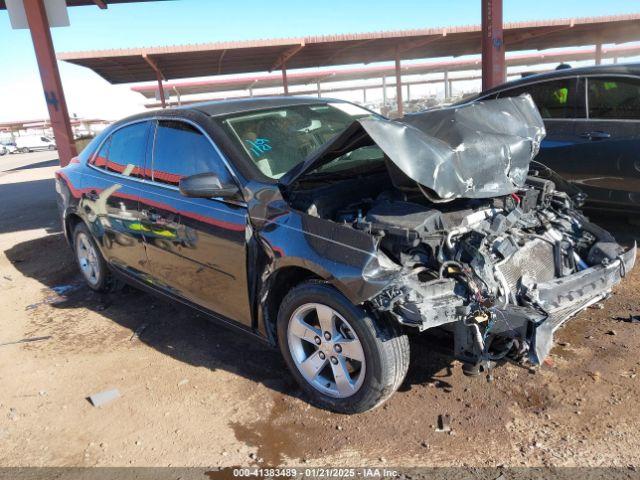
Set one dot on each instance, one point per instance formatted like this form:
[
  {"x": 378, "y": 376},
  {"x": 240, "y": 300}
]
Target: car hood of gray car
[{"x": 477, "y": 150}]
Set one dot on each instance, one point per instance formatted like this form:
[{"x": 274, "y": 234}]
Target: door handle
[
  {"x": 92, "y": 195},
  {"x": 596, "y": 135},
  {"x": 151, "y": 215}
]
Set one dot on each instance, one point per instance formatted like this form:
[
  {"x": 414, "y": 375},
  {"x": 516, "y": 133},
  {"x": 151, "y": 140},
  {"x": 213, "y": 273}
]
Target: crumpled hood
[{"x": 477, "y": 150}]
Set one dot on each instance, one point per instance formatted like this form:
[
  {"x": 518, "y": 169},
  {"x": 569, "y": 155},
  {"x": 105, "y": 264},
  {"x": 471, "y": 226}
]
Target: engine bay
[{"x": 473, "y": 266}]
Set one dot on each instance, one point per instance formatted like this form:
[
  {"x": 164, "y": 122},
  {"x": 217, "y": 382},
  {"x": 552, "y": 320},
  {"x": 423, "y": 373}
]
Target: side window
[
  {"x": 124, "y": 151},
  {"x": 181, "y": 150},
  {"x": 614, "y": 98},
  {"x": 100, "y": 160},
  {"x": 554, "y": 99}
]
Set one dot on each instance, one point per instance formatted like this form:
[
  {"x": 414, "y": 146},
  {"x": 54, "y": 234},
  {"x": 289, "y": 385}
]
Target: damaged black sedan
[{"x": 335, "y": 233}]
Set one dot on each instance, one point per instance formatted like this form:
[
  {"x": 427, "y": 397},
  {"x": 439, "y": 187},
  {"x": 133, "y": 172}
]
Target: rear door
[
  {"x": 560, "y": 102},
  {"x": 196, "y": 246},
  {"x": 111, "y": 190},
  {"x": 608, "y": 142}
]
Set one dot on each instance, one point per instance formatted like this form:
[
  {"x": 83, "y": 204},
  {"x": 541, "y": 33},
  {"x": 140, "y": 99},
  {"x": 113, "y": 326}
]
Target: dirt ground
[{"x": 196, "y": 394}]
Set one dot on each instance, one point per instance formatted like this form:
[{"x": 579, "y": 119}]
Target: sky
[{"x": 197, "y": 21}]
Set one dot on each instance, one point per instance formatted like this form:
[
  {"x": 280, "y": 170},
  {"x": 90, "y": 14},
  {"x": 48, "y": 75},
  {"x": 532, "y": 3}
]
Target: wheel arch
[
  {"x": 70, "y": 221},
  {"x": 279, "y": 283}
]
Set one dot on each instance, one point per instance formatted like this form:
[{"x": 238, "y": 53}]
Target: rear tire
[
  {"x": 92, "y": 265},
  {"x": 357, "y": 366}
]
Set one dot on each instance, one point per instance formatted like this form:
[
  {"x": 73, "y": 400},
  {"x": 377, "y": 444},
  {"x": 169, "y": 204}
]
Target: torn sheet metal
[{"x": 479, "y": 150}]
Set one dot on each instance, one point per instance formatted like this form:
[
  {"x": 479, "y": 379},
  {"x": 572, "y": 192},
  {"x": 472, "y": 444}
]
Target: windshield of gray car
[{"x": 278, "y": 139}]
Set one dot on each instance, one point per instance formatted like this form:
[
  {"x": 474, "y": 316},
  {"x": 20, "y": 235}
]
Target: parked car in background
[
  {"x": 335, "y": 233},
  {"x": 30, "y": 143},
  {"x": 3, "y": 150},
  {"x": 592, "y": 118},
  {"x": 10, "y": 147}
]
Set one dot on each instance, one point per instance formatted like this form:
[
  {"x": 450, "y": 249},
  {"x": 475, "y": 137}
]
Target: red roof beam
[
  {"x": 152, "y": 63},
  {"x": 408, "y": 46},
  {"x": 286, "y": 56},
  {"x": 526, "y": 36}
]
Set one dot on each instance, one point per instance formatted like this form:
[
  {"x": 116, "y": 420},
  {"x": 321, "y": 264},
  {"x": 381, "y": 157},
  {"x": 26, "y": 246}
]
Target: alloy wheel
[
  {"x": 326, "y": 350},
  {"x": 88, "y": 259}
]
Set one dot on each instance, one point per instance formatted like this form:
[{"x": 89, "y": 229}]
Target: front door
[{"x": 196, "y": 246}]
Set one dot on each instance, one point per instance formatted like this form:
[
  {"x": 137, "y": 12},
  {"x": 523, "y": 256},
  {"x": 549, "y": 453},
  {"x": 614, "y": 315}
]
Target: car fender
[{"x": 346, "y": 258}]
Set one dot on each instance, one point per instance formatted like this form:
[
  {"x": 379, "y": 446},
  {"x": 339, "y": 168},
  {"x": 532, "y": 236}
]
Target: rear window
[
  {"x": 124, "y": 151},
  {"x": 614, "y": 98},
  {"x": 89, "y": 150}
]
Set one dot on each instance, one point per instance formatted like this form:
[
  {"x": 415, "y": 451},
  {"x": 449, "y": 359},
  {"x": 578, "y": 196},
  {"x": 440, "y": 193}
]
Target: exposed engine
[{"x": 485, "y": 269}]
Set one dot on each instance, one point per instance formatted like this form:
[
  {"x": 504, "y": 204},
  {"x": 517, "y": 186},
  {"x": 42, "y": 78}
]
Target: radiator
[{"x": 535, "y": 260}]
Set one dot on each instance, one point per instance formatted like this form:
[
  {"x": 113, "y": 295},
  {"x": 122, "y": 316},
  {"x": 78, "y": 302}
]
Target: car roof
[
  {"x": 230, "y": 106},
  {"x": 618, "y": 69},
  {"x": 239, "y": 105},
  {"x": 225, "y": 107}
]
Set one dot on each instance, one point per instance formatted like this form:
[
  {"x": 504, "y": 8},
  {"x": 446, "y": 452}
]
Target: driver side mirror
[{"x": 206, "y": 185}]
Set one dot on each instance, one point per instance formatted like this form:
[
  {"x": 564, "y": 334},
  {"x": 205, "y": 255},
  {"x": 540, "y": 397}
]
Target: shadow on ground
[
  {"x": 29, "y": 205},
  {"x": 38, "y": 164},
  {"x": 179, "y": 331}
]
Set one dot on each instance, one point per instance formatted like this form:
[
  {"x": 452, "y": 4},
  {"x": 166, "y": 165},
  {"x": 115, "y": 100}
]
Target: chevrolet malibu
[{"x": 335, "y": 234}]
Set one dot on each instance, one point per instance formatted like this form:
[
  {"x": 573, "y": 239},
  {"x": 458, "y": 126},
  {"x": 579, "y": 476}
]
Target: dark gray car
[
  {"x": 592, "y": 119},
  {"x": 335, "y": 234}
]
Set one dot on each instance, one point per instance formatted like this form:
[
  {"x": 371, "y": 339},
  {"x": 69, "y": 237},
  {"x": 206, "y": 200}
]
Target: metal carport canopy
[
  {"x": 35, "y": 13},
  {"x": 226, "y": 84},
  {"x": 186, "y": 61},
  {"x": 81, "y": 3}
]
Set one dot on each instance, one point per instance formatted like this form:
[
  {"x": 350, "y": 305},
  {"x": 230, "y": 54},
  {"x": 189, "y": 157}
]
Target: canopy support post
[
  {"x": 493, "y": 64},
  {"x": 159, "y": 76},
  {"x": 399, "y": 87},
  {"x": 161, "y": 90},
  {"x": 446, "y": 85},
  {"x": 384, "y": 90},
  {"x": 50, "y": 77},
  {"x": 285, "y": 82}
]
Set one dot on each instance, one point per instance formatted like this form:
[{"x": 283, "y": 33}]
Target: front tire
[
  {"x": 90, "y": 261},
  {"x": 343, "y": 358}
]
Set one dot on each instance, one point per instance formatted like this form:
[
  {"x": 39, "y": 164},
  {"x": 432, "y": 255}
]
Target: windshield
[{"x": 277, "y": 140}]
